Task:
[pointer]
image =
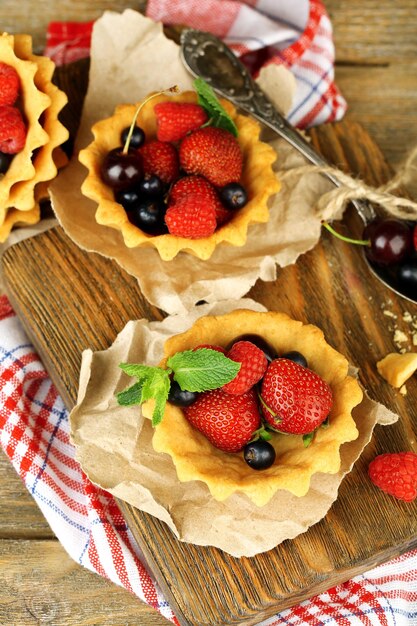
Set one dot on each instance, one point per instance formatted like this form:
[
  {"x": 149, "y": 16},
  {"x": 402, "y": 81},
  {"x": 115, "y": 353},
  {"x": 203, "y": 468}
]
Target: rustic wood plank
[
  {"x": 384, "y": 100},
  {"x": 41, "y": 584},
  {"x": 330, "y": 286},
  {"x": 20, "y": 516},
  {"x": 373, "y": 31},
  {"x": 365, "y": 31}
]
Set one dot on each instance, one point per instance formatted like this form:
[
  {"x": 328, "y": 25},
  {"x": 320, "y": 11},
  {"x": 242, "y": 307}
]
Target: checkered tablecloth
[{"x": 34, "y": 434}]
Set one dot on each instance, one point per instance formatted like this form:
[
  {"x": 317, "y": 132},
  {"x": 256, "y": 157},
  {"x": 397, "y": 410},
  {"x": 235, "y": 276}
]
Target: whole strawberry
[
  {"x": 297, "y": 399},
  {"x": 12, "y": 130},
  {"x": 9, "y": 84},
  {"x": 227, "y": 421},
  {"x": 213, "y": 153},
  {"x": 192, "y": 216},
  {"x": 176, "y": 119},
  {"x": 193, "y": 184},
  {"x": 253, "y": 366},
  {"x": 161, "y": 159},
  {"x": 396, "y": 474}
]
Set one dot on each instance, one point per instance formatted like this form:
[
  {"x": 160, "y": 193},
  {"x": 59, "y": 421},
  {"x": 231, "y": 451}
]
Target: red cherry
[
  {"x": 390, "y": 241},
  {"x": 121, "y": 170}
]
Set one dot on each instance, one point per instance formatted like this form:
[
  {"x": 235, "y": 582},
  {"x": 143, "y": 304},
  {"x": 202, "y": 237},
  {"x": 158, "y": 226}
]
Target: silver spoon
[{"x": 208, "y": 57}]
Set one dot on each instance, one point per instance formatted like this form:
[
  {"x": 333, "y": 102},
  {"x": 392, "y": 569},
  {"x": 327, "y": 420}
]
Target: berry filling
[
  {"x": 192, "y": 165},
  {"x": 240, "y": 397}
]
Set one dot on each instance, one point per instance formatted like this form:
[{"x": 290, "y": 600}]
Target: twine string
[{"x": 352, "y": 188}]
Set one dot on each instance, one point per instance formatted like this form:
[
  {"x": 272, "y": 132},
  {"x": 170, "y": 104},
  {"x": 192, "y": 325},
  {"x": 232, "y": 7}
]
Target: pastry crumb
[
  {"x": 403, "y": 390},
  {"x": 400, "y": 336}
]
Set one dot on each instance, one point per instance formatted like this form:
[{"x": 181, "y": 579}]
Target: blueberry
[
  {"x": 259, "y": 454},
  {"x": 149, "y": 216},
  {"x": 297, "y": 357},
  {"x": 128, "y": 198},
  {"x": 179, "y": 397},
  {"x": 151, "y": 186},
  {"x": 137, "y": 139},
  {"x": 233, "y": 196},
  {"x": 5, "y": 160},
  {"x": 258, "y": 341}
]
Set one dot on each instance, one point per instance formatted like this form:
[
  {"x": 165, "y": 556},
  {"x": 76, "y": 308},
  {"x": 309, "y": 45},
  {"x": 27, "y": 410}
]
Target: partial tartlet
[
  {"x": 40, "y": 103},
  {"x": 258, "y": 178},
  {"x": 224, "y": 474}
]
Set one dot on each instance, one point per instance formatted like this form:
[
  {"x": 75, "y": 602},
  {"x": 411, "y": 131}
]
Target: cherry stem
[
  {"x": 173, "y": 89},
  {"x": 360, "y": 242}
]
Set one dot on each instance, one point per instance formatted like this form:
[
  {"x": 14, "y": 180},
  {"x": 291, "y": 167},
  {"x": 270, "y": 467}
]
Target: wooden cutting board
[{"x": 70, "y": 300}]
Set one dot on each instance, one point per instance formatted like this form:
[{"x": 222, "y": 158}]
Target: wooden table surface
[{"x": 376, "y": 47}]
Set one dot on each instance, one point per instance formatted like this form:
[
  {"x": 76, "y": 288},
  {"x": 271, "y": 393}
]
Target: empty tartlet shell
[
  {"x": 258, "y": 178},
  {"x": 194, "y": 456}
]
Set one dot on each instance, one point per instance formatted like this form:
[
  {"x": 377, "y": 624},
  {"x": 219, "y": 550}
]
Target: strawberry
[
  {"x": 396, "y": 474},
  {"x": 176, "y": 119},
  {"x": 295, "y": 399},
  {"x": 160, "y": 158},
  {"x": 12, "y": 130},
  {"x": 253, "y": 366},
  {"x": 227, "y": 421},
  {"x": 9, "y": 84},
  {"x": 192, "y": 184},
  {"x": 214, "y": 153},
  {"x": 192, "y": 216}
]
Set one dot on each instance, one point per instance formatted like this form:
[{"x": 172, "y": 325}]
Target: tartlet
[
  {"x": 258, "y": 178},
  {"x": 224, "y": 474},
  {"x": 40, "y": 102}
]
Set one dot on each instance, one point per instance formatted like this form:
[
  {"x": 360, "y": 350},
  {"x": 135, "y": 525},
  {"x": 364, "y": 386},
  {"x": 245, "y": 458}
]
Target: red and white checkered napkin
[
  {"x": 297, "y": 34},
  {"x": 34, "y": 433}
]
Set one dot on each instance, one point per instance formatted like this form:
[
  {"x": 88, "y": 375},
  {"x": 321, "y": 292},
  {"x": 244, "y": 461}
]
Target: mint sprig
[
  {"x": 194, "y": 370},
  {"x": 217, "y": 114}
]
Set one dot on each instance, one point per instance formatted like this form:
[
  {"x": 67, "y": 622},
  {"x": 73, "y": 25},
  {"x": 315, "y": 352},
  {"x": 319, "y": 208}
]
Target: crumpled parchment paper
[{"x": 114, "y": 448}]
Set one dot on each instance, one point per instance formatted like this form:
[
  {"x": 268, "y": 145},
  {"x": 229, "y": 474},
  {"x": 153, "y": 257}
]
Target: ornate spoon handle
[{"x": 208, "y": 57}]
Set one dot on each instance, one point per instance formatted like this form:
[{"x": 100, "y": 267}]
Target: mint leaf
[
  {"x": 153, "y": 383},
  {"x": 210, "y": 103},
  {"x": 202, "y": 369},
  {"x": 194, "y": 370},
  {"x": 130, "y": 396},
  {"x": 156, "y": 385},
  {"x": 135, "y": 369}
]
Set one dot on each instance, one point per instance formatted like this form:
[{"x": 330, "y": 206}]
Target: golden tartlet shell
[
  {"x": 194, "y": 456},
  {"x": 257, "y": 177}
]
